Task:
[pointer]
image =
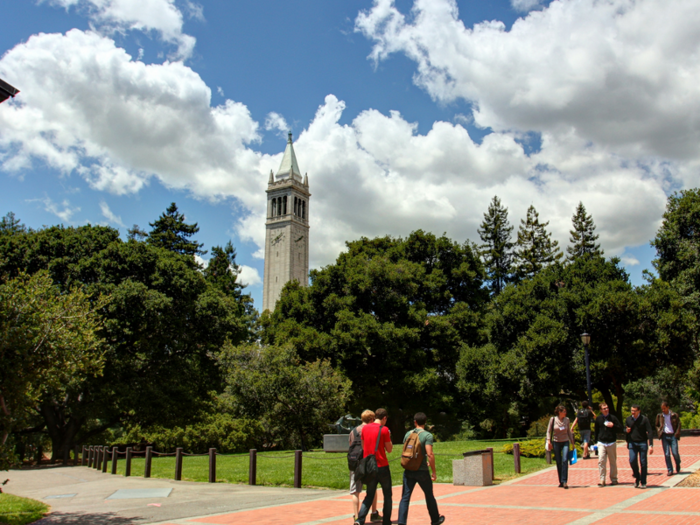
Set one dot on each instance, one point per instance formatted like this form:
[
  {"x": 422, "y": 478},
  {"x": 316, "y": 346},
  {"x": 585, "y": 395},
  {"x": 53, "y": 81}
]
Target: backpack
[
  {"x": 355, "y": 451},
  {"x": 412, "y": 455},
  {"x": 367, "y": 468},
  {"x": 584, "y": 419}
]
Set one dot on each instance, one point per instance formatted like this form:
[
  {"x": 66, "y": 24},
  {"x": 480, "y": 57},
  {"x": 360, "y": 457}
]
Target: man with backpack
[
  {"x": 374, "y": 467},
  {"x": 417, "y": 455},
  {"x": 584, "y": 416},
  {"x": 355, "y": 454}
]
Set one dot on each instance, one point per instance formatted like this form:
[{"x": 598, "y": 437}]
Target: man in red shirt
[{"x": 370, "y": 433}]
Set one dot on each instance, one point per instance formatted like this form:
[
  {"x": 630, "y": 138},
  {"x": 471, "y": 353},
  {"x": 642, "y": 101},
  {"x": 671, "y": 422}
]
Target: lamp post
[{"x": 586, "y": 339}]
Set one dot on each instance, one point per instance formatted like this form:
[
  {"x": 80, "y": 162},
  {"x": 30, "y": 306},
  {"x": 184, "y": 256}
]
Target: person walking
[
  {"x": 668, "y": 430},
  {"x": 421, "y": 476},
  {"x": 584, "y": 417},
  {"x": 356, "y": 484},
  {"x": 377, "y": 435},
  {"x": 640, "y": 439},
  {"x": 606, "y": 428},
  {"x": 560, "y": 439}
]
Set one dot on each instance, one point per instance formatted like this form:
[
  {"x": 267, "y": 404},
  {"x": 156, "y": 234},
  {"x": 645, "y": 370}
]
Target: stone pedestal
[
  {"x": 336, "y": 443},
  {"x": 473, "y": 471}
]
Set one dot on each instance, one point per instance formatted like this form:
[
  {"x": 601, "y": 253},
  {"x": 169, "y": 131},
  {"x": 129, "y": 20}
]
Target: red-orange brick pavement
[{"x": 534, "y": 499}]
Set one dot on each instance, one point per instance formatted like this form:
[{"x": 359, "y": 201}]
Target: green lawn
[
  {"x": 18, "y": 511},
  {"x": 318, "y": 468}
]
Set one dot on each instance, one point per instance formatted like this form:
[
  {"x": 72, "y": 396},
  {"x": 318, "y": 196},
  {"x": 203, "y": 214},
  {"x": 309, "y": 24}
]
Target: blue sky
[{"x": 407, "y": 114}]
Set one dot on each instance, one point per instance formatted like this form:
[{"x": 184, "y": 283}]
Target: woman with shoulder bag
[{"x": 560, "y": 439}]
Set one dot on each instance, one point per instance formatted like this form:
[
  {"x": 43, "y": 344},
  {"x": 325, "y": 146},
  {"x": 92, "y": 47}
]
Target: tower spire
[{"x": 289, "y": 168}]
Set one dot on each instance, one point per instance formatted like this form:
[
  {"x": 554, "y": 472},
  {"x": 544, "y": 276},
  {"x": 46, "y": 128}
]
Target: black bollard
[
  {"x": 178, "y": 464},
  {"x": 212, "y": 465},
  {"x": 147, "y": 466},
  {"x": 105, "y": 459},
  {"x": 297, "y": 469},
  {"x": 127, "y": 468},
  {"x": 253, "y": 467},
  {"x": 115, "y": 456}
]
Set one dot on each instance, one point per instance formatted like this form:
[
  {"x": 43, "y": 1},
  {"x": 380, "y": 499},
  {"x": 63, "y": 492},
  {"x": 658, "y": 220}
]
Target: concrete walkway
[{"x": 88, "y": 497}]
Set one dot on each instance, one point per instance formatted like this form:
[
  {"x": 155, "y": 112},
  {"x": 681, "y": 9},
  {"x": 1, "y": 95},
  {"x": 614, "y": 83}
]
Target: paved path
[{"x": 533, "y": 499}]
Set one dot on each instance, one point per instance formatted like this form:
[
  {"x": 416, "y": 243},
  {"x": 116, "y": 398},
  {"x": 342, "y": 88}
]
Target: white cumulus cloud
[
  {"x": 108, "y": 214},
  {"x": 161, "y": 16}
]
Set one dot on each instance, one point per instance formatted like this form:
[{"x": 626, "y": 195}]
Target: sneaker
[
  {"x": 644, "y": 486},
  {"x": 670, "y": 473},
  {"x": 375, "y": 516},
  {"x": 566, "y": 486},
  {"x": 440, "y": 520},
  {"x": 636, "y": 483},
  {"x": 613, "y": 482},
  {"x": 601, "y": 484},
  {"x": 356, "y": 523}
]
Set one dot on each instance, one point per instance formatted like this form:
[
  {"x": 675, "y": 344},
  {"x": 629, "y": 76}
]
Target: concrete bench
[{"x": 474, "y": 470}]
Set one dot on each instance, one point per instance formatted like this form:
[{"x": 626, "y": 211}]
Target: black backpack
[
  {"x": 367, "y": 468},
  {"x": 355, "y": 451},
  {"x": 584, "y": 418}
]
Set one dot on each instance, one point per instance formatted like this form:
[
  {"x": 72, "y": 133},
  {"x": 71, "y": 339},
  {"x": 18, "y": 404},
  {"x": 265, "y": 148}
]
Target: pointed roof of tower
[{"x": 289, "y": 162}]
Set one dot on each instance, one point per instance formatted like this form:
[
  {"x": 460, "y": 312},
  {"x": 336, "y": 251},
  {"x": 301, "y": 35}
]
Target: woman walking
[{"x": 560, "y": 439}]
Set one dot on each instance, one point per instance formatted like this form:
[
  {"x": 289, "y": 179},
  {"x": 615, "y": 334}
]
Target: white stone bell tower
[{"x": 287, "y": 228}]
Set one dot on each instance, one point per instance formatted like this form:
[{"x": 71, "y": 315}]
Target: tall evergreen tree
[
  {"x": 171, "y": 232},
  {"x": 497, "y": 250},
  {"x": 222, "y": 270},
  {"x": 583, "y": 239},
  {"x": 535, "y": 248},
  {"x": 10, "y": 225}
]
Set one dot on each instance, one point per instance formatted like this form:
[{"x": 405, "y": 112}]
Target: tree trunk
[
  {"x": 61, "y": 430},
  {"x": 620, "y": 398},
  {"x": 608, "y": 399}
]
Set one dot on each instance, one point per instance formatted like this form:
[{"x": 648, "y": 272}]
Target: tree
[
  {"x": 582, "y": 236},
  {"x": 390, "y": 314},
  {"x": 162, "y": 327},
  {"x": 535, "y": 248},
  {"x": 170, "y": 231},
  {"x": 48, "y": 340},
  {"x": 495, "y": 233},
  {"x": 10, "y": 225},
  {"x": 289, "y": 397},
  {"x": 222, "y": 270}
]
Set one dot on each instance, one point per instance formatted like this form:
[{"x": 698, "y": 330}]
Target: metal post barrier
[
  {"x": 83, "y": 456},
  {"x": 212, "y": 465},
  {"x": 178, "y": 464},
  {"x": 114, "y": 459},
  {"x": 127, "y": 468},
  {"x": 493, "y": 466},
  {"x": 253, "y": 467},
  {"x": 105, "y": 459},
  {"x": 76, "y": 455},
  {"x": 91, "y": 452},
  {"x": 98, "y": 458},
  {"x": 147, "y": 466},
  {"x": 297, "y": 469},
  {"x": 516, "y": 457}
]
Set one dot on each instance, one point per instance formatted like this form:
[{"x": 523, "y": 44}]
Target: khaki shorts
[{"x": 355, "y": 488}]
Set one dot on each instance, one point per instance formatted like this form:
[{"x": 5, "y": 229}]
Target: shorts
[
  {"x": 355, "y": 488},
  {"x": 585, "y": 436}
]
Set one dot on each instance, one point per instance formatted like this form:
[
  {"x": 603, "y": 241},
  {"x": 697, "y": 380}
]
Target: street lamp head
[{"x": 586, "y": 338}]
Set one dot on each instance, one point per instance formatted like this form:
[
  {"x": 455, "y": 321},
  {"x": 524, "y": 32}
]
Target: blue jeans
[
  {"x": 561, "y": 456},
  {"x": 422, "y": 477},
  {"x": 638, "y": 449},
  {"x": 670, "y": 444},
  {"x": 384, "y": 479}
]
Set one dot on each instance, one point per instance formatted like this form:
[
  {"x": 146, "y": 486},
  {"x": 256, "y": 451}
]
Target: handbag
[
  {"x": 367, "y": 468},
  {"x": 573, "y": 456}
]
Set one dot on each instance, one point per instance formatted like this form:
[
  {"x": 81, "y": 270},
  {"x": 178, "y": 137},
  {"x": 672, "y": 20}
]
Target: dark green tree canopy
[
  {"x": 222, "y": 270},
  {"x": 535, "y": 248},
  {"x": 497, "y": 248},
  {"x": 391, "y": 315},
  {"x": 170, "y": 231},
  {"x": 583, "y": 237}
]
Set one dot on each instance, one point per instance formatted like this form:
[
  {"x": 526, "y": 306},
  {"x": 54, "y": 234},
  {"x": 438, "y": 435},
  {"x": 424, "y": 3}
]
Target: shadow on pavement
[{"x": 80, "y": 518}]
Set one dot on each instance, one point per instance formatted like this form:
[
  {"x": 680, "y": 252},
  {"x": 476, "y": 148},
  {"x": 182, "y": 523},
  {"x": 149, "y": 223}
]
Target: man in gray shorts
[
  {"x": 584, "y": 417},
  {"x": 355, "y": 487}
]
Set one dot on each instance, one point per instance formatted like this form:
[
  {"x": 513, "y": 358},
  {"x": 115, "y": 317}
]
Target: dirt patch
[{"x": 691, "y": 481}]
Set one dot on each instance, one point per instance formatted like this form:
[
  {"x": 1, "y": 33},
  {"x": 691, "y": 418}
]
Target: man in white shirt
[{"x": 668, "y": 429}]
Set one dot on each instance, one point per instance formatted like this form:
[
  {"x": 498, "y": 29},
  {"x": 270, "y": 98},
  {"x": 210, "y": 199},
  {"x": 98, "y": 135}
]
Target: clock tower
[{"x": 287, "y": 228}]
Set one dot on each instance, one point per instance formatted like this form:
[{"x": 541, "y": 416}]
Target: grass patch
[
  {"x": 320, "y": 469},
  {"x": 19, "y": 511}
]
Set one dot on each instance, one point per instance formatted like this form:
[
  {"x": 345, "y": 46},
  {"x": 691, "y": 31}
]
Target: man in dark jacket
[
  {"x": 606, "y": 428},
  {"x": 639, "y": 434},
  {"x": 668, "y": 430}
]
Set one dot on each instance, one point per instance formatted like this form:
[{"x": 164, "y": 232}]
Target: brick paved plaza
[{"x": 534, "y": 499}]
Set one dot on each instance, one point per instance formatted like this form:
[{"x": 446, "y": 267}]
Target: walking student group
[
  {"x": 369, "y": 444},
  {"x": 639, "y": 437}
]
